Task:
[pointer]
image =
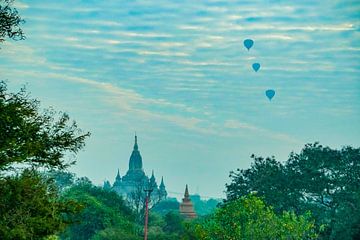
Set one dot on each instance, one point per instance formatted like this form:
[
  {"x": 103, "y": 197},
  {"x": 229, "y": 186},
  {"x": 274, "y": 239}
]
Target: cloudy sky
[{"x": 177, "y": 73}]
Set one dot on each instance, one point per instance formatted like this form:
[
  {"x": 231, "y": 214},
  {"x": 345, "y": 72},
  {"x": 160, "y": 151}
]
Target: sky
[{"x": 178, "y": 74}]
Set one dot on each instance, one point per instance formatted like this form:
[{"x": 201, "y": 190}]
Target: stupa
[{"x": 186, "y": 207}]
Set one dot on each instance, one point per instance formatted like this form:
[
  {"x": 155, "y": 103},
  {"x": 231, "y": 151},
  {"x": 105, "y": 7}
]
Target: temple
[
  {"x": 135, "y": 179},
  {"x": 186, "y": 207}
]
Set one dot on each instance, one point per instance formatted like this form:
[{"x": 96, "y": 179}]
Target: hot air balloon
[
  {"x": 248, "y": 43},
  {"x": 270, "y": 94},
  {"x": 256, "y": 66}
]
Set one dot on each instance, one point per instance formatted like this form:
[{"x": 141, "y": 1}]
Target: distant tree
[
  {"x": 203, "y": 207},
  {"x": 10, "y": 22},
  {"x": 104, "y": 214},
  {"x": 62, "y": 179},
  {"x": 136, "y": 199},
  {"x": 249, "y": 218},
  {"x": 322, "y": 180},
  {"x": 166, "y": 206},
  {"x": 173, "y": 223}
]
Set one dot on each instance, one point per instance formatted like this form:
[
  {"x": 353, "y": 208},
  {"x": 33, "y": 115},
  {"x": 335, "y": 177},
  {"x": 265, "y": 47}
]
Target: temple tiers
[{"x": 186, "y": 207}]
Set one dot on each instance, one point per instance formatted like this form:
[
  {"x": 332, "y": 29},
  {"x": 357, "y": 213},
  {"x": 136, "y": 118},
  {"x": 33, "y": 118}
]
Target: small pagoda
[{"x": 186, "y": 207}]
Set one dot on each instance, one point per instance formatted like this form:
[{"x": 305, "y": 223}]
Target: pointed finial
[
  {"x": 118, "y": 175},
  {"x": 152, "y": 178},
  {"x": 186, "y": 195},
  {"x": 135, "y": 145},
  {"x": 162, "y": 182}
]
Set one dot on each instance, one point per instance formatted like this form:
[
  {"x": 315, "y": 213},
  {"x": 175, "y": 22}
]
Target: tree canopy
[
  {"x": 10, "y": 22},
  {"x": 31, "y": 140},
  {"x": 30, "y": 137},
  {"x": 320, "y": 179},
  {"x": 249, "y": 218}
]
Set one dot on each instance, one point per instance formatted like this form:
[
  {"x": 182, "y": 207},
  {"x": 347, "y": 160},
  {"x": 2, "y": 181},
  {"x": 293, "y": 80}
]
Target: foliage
[
  {"x": 10, "y": 22},
  {"x": 29, "y": 207},
  {"x": 249, "y": 218},
  {"x": 166, "y": 206},
  {"x": 203, "y": 207},
  {"x": 62, "y": 179},
  {"x": 104, "y": 214},
  {"x": 173, "y": 223},
  {"x": 114, "y": 233},
  {"x": 322, "y": 180},
  {"x": 30, "y": 137}
]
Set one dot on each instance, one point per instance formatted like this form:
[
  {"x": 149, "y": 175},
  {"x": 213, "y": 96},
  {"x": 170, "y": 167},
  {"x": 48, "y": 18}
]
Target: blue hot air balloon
[
  {"x": 270, "y": 94},
  {"x": 256, "y": 66},
  {"x": 248, "y": 43}
]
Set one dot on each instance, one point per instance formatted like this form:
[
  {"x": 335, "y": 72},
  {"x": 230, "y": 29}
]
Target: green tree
[
  {"x": 31, "y": 139},
  {"x": 327, "y": 182},
  {"x": 10, "y": 22},
  {"x": 173, "y": 223},
  {"x": 249, "y": 218},
  {"x": 114, "y": 233},
  {"x": 268, "y": 178},
  {"x": 104, "y": 213},
  {"x": 62, "y": 179},
  {"x": 29, "y": 207},
  {"x": 320, "y": 179}
]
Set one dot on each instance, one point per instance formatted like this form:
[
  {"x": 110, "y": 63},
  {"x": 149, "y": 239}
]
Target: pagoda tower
[{"x": 186, "y": 207}]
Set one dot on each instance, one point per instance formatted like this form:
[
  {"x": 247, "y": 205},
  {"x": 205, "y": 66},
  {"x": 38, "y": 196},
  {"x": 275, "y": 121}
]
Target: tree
[
  {"x": 29, "y": 207},
  {"x": 328, "y": 182},
  {"x": 136, "y": 199},
  {"x": 31, "y": 138},
  {"x": 320, "y": 179},
  {"x": 104, "y": 214},
  {"x": 166, "y": 206},
  {"x": 249, "y": 218},
  {"x": 173, "y": 223},
  {"x": 268, "y": 178},
  {"x": 62, "y": 179},
  {"x": 10, "y": 22}
]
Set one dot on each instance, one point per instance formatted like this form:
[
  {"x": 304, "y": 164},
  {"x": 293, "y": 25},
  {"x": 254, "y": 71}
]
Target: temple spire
[
  {"x": 186, "y": 207},
  {"x": 186, "y": 195},
  {"x": 162, "y": 182},
  {"x": 118, "y": 177}
]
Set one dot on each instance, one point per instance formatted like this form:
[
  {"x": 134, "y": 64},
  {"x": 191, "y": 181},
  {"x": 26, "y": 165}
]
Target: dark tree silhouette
[{"x": 10, "y": 22}]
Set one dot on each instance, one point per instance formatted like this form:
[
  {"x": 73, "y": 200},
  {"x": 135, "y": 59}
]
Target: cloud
[{"x": 241, "y": 126}]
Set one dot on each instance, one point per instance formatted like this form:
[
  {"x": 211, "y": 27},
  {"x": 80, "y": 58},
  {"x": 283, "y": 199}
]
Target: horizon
[{"x": 179, "y": 75}]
